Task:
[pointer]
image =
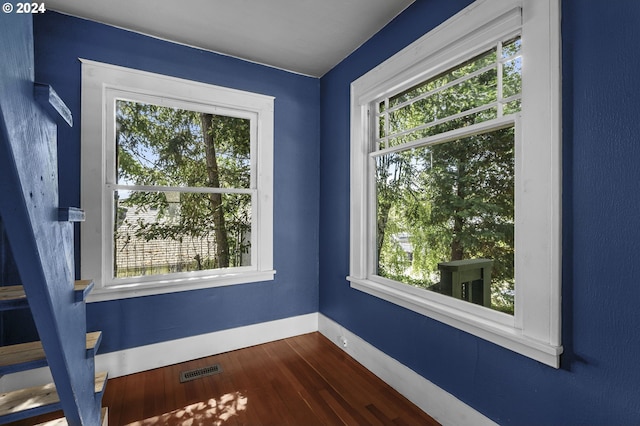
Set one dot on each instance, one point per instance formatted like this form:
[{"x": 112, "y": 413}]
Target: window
[
  {"x": 176, "y": 183},
  {"x": 455, "y": 176}
]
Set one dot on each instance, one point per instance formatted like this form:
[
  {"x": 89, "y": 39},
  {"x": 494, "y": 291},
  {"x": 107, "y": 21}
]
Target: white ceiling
[{"x": 305, "y": 36}]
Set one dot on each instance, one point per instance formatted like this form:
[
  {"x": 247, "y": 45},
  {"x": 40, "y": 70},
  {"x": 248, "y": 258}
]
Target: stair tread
[
  {"x": 36, "y": 399},
  {"x": 31, "y": 355},
  {"x": 104, "y": 420},
  {"x": 12, "y": 292},
  {"x": 81, "y": 289},
  {"x": 52, "y": 103},
  {"x": 13, "y": 296},
  {"x": 81, "y": 285},
  {"x": 71, "y": 214}
]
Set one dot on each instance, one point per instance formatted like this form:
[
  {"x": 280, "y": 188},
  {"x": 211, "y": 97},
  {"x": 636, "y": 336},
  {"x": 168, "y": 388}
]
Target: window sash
[
  {"x": 501, "y": 318},
  {"x": 498, "y": 104},
  {"x": 109, "y": 280},
  {"x": 111, "y": 96}
]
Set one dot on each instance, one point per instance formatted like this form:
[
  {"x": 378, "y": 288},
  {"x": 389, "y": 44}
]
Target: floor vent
[{"x": 186, "y": 376}]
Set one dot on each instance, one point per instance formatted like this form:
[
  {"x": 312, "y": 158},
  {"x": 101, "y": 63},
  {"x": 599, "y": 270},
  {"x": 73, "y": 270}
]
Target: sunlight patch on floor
[{"x": 212, "y": 412}]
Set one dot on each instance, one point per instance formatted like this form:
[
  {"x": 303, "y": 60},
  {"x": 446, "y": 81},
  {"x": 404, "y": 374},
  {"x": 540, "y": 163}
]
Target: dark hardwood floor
[{"x": 304, "y": 380}]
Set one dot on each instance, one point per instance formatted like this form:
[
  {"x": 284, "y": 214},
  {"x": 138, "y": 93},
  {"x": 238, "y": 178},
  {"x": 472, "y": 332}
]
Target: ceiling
[{"x": 304, "y": 36}]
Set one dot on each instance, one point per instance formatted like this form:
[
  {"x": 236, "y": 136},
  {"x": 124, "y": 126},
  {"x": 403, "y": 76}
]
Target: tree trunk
[
  {"x": 383, "y": 218},
  {"x": 222, "y": 242},
  {"x": 457, "y": 248},
  {"x": 386, "y": 191}
]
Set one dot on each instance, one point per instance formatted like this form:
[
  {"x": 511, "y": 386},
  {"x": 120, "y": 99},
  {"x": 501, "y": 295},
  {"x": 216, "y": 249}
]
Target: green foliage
[
  {"x": 453, "y": 200},
  {"x": 163, "y": 146}
]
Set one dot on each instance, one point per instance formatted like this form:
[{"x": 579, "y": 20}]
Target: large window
[
  {"x": 455, "y": 176},
  {"x": 176, "y": 183}
]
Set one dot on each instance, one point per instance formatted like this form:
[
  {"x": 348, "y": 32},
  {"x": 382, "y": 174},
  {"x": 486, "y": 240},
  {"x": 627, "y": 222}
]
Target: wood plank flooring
[{"x": 304, "y": 380}]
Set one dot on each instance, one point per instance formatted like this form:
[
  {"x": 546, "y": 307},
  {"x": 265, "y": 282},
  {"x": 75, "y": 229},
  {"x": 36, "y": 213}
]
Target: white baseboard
[
  {"x": 148, "y": 357},
  {"x": 431, "y": 399},
  {"x": 142, "y": 358},
  {"x": 441, "y": 405}
]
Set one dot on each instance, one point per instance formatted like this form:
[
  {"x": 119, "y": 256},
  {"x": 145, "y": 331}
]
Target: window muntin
[
  {"x": 158, "y": 197},
  {"x": 481, "y": 88}
]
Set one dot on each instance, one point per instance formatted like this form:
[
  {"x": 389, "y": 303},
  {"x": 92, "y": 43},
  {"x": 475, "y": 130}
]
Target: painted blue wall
[
  {"x": 599, "y": 376},
  {"x": 59, "y": 41}
]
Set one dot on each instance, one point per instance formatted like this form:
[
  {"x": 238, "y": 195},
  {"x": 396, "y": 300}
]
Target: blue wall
[
  {"x": 59, "y": 41},
  {"x": 599, "y": 376}
]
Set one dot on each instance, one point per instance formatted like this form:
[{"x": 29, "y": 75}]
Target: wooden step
[
  {"x": 30, "y": 402},
  {"x": 13, "y": 296},
  {"x": 81, "y": 289},
  {"x": 70, "y": 214},
  {"x": 26, "y": 356},
  {"x": 63, "y": 421},
  {"x": 52, "y": 103}
]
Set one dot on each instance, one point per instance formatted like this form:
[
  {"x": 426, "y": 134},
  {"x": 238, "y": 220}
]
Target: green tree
[
  {"x": 162, "y": 146},
  {"x": 453, "y": 200}
]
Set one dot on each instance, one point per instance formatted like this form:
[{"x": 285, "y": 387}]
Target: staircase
[{"x": 39, "y": 236}]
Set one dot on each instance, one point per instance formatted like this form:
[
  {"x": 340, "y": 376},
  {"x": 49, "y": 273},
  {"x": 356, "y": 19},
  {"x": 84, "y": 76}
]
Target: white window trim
[
  {"x": 100, "y": 84},
  {"x": 535, "y": 329}
]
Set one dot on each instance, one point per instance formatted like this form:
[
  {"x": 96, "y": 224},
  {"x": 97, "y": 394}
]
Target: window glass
[
  {"x": 171, "y": 232},
  {"x": 190, "y": 228},
  {"x": 446, "y": 210},
  {"x": 159, "y": 145},
  {"x": 443, "y": 208}
]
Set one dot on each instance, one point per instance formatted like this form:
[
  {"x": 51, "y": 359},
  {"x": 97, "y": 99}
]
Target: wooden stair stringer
[{"x": 42, "y": 246}]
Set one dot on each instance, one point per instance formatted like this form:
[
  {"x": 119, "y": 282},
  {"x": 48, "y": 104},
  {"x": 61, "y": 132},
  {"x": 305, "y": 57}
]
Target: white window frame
[
  {"x": 535, "y": 328},
  {"x": 102, "y": 84}
]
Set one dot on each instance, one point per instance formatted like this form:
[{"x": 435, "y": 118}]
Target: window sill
[
  {"x": 499, "y": 334},
  {"x": 126, "y": 291}
]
